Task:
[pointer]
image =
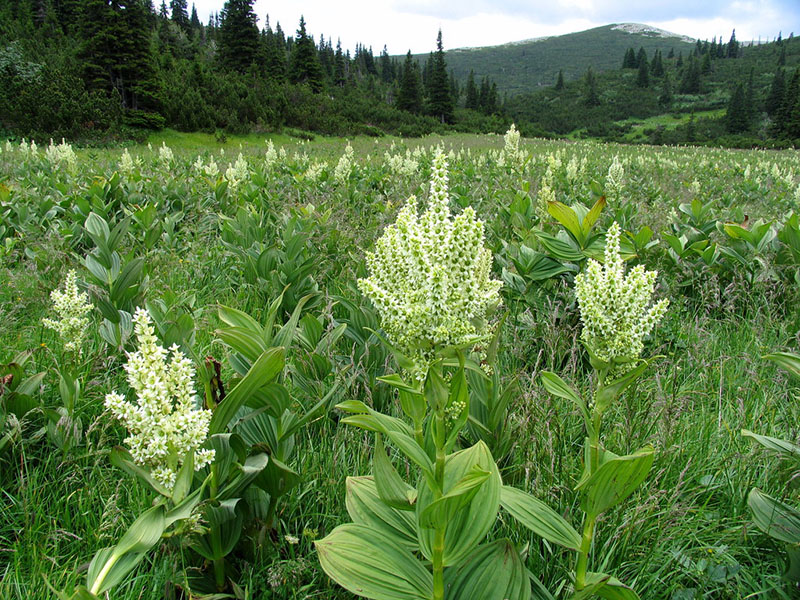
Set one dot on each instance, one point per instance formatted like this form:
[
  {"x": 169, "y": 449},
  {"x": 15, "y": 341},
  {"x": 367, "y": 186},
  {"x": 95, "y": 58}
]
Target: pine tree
[
  {"x": 238, "y": 38},
  {"x": 643, "y": 77},
  {"x": 776, "y": 93},
  {"x": 387, "y": 72},
  {"x": 657, "y": 65},
  {"x": 591, "y": 97},
  {"x": 629, "y": 62},
  {"x": 641, "y": 57},
  {"x": 409, "y": 97},
  {"x": 671, "y": 53},
  {"x": 706, "y": 66},
  {"x": 733, "y": 46},
  {"x": 785, "y": 123},
  {"x": 665, "y": 98},
  {"x": 560, "y": 80},
  {"x": 679, "y": 63},
  {"x": 471, "y": 92},
  {"x": 194, "y": 21},
  {"x": 305, "y": 66},
  {"x": 440, "y": 103},
  {"x": 690, "y": 83},
  {"x": 736, "y": 116},
  {"x": 339, "y": 74},
  {"x": 179, "y": 14}
]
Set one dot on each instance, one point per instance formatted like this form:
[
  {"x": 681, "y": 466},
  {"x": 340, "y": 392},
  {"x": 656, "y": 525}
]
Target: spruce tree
[
  {"x": 440, "y": 102},
  {"x": 641, "y": 57},
  {"x": 776, "y": 93},
  {"x": 733, "y": 46},
  {"x": 179, "y": 14},
  {"x": 471, "y": 92},
  {"x": 665, "y": 98},
  {"x": 238, "y": 37},
  {"x": 629, "y": 62},
  {"x": 736, "y": 120},
  {"x": 387, "y": 73},
  {"x": 560, "y": 80},
  {"x": 339, "y": 74},
  {"x": 305, "y": 66},
  {"x": 643, "y": 77},
  {"x": 591, "y": 97},
  {"x": 194, "y": 21},
  {"x": 657, "y": 66},
  {"x": 409, "y": 97}
]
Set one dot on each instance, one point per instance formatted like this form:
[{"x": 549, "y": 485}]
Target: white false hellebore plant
[
  {"x": 616, "y": 313},
  {"x": 426, "y": 540}
]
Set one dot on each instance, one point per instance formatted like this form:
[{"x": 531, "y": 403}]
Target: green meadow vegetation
[{"x": 249, "y": 368}]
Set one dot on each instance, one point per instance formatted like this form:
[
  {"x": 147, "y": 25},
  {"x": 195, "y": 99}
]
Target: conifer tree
[
  {"x": 776, "y": 93},
  {"x": 657, "y": 65},
  {"x": 665, "y": 98},
  {"x": 591, "y": 97},
  {"x": 238, "y": 37},
  {"x": 339, "y": 75},
  {"x": 387, "y": 72},
  {"x": 194, "y": 21},
  {"x": 643, "y": 77},
  {"x": 440, "y": 102},
  {"x": 305, "y": 64},
  {"x": 733, "y": 46},
  {"x": 409, "y": 97},
  {"x": 471, "y": 92},
  {"x": 736, "y": 120},
  {"x": 690, "y": 83},
  {"x": 179, "y": 14},
  {"x": 782, "y": 57},
  {"x": 560, "y": 80},
  {"x": 641, "y": 57},
  {"x": 629, "y": 62}
]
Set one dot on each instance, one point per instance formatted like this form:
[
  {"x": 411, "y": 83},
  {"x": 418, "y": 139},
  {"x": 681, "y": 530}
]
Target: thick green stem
[
  {"x": 583, "y": 553},
  {"x": 273, "y": 504},
  {"x": 438, "y": 542}
]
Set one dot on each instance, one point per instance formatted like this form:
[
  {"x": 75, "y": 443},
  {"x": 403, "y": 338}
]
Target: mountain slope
[{"x": 525, "y": 66}]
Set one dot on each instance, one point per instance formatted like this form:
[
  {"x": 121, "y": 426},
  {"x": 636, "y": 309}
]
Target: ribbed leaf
[
  {"x": 775, "y": 518},
  {"x": 615, "y": 480},
  {"x": 364, "y": 562},
  {"x": 365, "y": 507},
  {"x": 539, "y": 518},
  {"x": 493, "y": 572}
]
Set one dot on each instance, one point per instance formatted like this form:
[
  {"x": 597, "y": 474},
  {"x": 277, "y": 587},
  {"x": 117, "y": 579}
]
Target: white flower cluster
[
  {"x": 512, "y": 156},
  {"x": 271, "y": 157},
  {"x": 61, "y": 155},
  {"x": 430, "y": 277},
  {"x": 237, "y": 173},
  {"x": 615, "y": 181},
  {"x": 210, "y": 170},
  {"x": 165, "y": 425},
  {"x": 345, "y": 165},
  {"x": 401, "y": 166},
  {"x": 165, "y": 155},
  {"x": 615, "y": 308},
  {"x": 315, "y": 170},
  {"x": 72, "y": 307},
  {"x": 126, "y": 164}
]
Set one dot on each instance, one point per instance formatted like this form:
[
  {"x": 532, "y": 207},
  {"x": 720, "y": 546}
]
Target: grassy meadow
[{"x": 296, "y": 219}]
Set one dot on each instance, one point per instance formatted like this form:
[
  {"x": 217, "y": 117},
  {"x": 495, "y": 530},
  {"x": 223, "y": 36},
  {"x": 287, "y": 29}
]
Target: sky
[{"x": 413, "y": 24}]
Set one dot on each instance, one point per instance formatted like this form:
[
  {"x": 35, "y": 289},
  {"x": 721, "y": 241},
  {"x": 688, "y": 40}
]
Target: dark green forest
[
  {"x": 101, "y": 69},
  {"x": 95, "y": 71}
]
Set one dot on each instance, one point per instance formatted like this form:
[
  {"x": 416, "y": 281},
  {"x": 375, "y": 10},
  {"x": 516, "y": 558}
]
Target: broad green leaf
[
  {"x": 539, "y": 518},
  {"x": 110, "y": 565},
  {"x": 263, "y": 371},
  {"x": 591, "y": 587},
  {"x": 390, "y": 486},
  {"x": 776, "y": 444},
  {"x": 251, "y": 468},
  {"x": 567, "y": 217},
  {"x": 615, "y": 480},
  {"x": 224, "y": 523},
  {"x": 493, "y": 571},
  {"x": 277, "y": 478},
  {"x": 591, "y": 218},
  {"x": 787, "y": 360},
  {"x": 122, "y": 459},
  {"x": 183, "y": 481},
  {"x": 613, "y": 589},
  {"x": 469, "y": 525},
  {"x": 441, "y": 511},
  {"x": 560, "y": 388},
  {"x": 364, "y": 562},
  {"x": 236, "y": 318},
  {"x": 775, "y": 518},
  {"x": 365, "y": 507},
  {"x": 608, "y": 392}
]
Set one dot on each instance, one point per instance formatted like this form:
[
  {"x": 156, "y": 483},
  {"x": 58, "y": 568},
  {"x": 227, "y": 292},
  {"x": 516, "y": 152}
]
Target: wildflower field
[{"x": 461, "y": 368}]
